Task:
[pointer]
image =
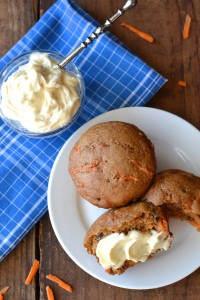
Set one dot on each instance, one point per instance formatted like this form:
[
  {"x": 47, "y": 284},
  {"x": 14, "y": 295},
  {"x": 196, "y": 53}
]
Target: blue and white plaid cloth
[{"x": 114, "y": 78}]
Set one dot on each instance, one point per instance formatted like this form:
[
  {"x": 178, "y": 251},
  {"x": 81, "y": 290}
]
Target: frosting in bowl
[{"x": 39, "y": 95}]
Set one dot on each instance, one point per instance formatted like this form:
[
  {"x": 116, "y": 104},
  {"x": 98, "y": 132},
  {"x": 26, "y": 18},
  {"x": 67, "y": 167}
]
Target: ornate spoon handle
[{"x": 129, "y": 4}]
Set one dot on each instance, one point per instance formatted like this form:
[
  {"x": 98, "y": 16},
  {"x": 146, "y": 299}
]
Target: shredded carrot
[
  {"x": 33, "y": 271},
  {"x": 186, "y": 27},
  {"x": 140, "y": 33},
  {"x": 182, "y": 83},
  {"x": 4, "y": 290},
  {"x": 61, "y": 283},
  {"x": 50, "y": 295},
  {"x": 125, "y": 177},
  {"x": 107, "y": 270},
  {"x": 1, "y": 297}
]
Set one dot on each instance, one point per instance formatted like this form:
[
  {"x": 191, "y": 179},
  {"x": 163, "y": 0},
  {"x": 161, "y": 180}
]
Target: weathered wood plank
[
  {"x": 16, "y": 17},
  {"x": 15, "y": 267}
]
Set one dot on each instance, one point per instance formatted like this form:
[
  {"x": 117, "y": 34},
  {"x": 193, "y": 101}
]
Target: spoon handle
[{"x": 129, "y": 4}]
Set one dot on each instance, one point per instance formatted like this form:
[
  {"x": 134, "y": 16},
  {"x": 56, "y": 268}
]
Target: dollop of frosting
[
  {"x": 114, "y": 249},
  {"x": 39, "y": 95}
]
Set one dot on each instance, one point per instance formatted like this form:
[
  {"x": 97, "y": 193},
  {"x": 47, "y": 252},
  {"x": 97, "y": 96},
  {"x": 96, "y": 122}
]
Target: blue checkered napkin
[{"x": 114, "y": 78}]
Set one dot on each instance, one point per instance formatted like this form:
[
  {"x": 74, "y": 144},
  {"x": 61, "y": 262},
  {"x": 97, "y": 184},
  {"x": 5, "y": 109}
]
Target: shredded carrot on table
[
  {"x": 186, "y": 27},
  {"x": 182, "y": 83},
  {"x": 61, "y": 283},
  {"x": 143, "y": 35},
  {"x": 4, "y": 290},
  {"x": 50, "y": 295},
  {"x": 33, "y": 271}
]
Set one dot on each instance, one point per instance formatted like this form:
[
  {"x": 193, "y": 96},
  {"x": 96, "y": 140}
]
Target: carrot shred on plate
[
  {"x": 50, "y": 295},
  {"x": 1, "y": 297},
  {"x": 4, "y": 290},
  {"x": 182, "y": 83},
  {"x": 61, "y": 283},
  {"x": 33, "y": 271},
  {"x": 143, "y": 35},
  {"x": 186, "y": 27}
]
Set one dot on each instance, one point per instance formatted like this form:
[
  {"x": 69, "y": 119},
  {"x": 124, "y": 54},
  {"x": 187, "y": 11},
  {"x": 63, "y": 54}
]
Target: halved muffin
[{"x": 123, "y": 237}]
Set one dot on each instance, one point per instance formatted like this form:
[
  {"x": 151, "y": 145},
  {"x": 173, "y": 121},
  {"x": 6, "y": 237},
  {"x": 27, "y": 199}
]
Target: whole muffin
[
  {"x": 112, "y": 164},
  {"x": 125, "y": 236},
  {"x": 179, "y": 192}
]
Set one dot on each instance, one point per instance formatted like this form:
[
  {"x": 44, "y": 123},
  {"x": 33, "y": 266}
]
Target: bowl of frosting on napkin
[{"x": 37, "y": 98}]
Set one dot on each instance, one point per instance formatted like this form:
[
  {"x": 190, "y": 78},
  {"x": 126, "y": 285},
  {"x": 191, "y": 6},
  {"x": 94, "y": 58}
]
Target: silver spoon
[{"x": 129, "y": 4}]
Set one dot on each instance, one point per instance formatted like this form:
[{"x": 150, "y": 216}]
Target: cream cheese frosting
[
  {"x": 39, "y": 95},
  {"x": 114, "y": 249}
]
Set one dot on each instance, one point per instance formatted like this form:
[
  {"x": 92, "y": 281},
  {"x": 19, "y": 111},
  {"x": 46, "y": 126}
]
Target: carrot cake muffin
[
  {"x": 112, "y": 164},
  {"x": 179, "y": 192},
  {"x": 125, "y": 236}
]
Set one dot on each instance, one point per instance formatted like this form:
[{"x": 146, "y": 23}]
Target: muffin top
[
  {"x": 179, "y": 191},
  {"x": 112, "y": 164},
  {"x": 175, "y": 187}
]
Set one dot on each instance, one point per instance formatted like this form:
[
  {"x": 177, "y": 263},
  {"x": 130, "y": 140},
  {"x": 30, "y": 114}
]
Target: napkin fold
[{"x": 114, "y": 78}]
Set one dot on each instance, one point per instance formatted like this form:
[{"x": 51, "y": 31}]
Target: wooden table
[{"x": 172, "y": 56}]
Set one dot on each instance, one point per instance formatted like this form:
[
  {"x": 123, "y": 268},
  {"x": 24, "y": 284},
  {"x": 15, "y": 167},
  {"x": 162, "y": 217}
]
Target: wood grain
[
  {"x": 16, "y": 17},
  {"x": 15, "y": 267},
  {"x": 176, "y": 59}
]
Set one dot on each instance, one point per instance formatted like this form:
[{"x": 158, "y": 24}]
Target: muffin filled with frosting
[{"x": 123, "y": 237}]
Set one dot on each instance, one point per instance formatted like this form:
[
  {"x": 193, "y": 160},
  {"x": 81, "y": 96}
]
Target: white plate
[{"x": 177, "y": 145}]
